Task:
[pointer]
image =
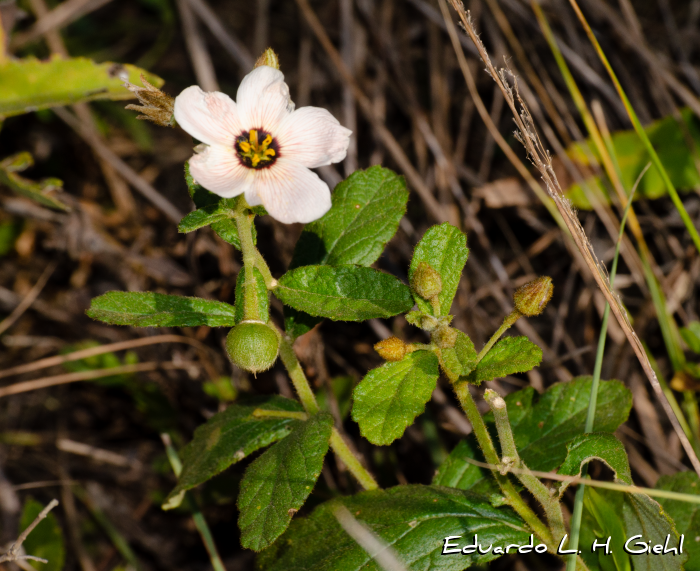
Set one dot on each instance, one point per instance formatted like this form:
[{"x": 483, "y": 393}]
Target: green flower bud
[
  {"x": 532, "y": 298},
  {"x": 269, "y": 58},
  {"x": 253, "y": 346},
  {"x": 426, "y": 282},
  {"x": 391, "y": 349},
  {"x": 445, "y": 337}
]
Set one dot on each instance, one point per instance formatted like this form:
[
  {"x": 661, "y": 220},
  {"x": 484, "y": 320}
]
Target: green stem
[
  {"x": 342, "y": 451},
  {"x": 244, "y": 223},
  {"x": 264, "y": 413},
  {"x": 513, "y": 498},
  {"x": 510, "y": 319},
  {"x": 191, "y": 504},
  {"x": 510, "y": 456},
  {"x": 308, "y": 401}
]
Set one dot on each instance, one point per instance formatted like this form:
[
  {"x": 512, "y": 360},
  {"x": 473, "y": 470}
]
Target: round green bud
[
  {"x": 253, "y": 346},
  {"x": 445, "y": 337},
  {"x": 426, "y": 282},
  {"x": 531, "y": 298}
]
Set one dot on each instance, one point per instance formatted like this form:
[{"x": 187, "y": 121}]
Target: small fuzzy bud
[
  {"x": 155, "y": 106},
  {"x": 445, "y": 337},
  {"x": 253, "y": 346},
  {"x": 532, "y": 298},
  {"x": 391, "y": 349},
  {"x": 268, "y": 58},
  {"x": 426, "y": 282}
]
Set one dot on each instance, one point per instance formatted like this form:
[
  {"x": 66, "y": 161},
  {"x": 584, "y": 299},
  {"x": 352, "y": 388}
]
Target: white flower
[{"x": 259, "y": 145}]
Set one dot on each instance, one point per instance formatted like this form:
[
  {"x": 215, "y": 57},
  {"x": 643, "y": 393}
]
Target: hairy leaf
[
  {"x": 543, "y": 427},
  {"x": 29, "y": 84},
  {"x": 220, "y": 212},
  {"x": 343, "y": 293},
  {"x": 510, "y": 355},
  {"x": 37, "y": 191},
  {"x": 602, "y": 518},
  {"x": 390, "y": 397},
  {"x": 367, "y": 208},
  {"x": 444, "y": 248},
  {"x": 277, "y": 483},
  {"x": 228, "y": 437},
  {"x": 263, "y": 296},
  {"x": 149, "y": 309},
  {"x": 413, "y": 520},
  {"x": 596, "y": 446},
  {"x": 46, "y": 541},
  {"x": 459, "y": 360},
  {"x": 685, "y": 515}
]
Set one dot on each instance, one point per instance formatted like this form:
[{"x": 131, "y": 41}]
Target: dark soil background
[{"x": 53, "y": 440}]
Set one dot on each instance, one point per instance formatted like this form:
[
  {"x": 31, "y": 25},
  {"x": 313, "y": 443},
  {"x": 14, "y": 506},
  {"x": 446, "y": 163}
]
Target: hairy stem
[
  {"x": 513, "y": 498},
  {"x": 549, "y": 503},
  {"x": 308, "y": 400},
  {"x": 264, "y": 413},
  {"x": 510, "y": 319},
  {"x": 244, "y": 223}
]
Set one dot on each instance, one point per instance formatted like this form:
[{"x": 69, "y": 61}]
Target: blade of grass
[
  {"x": 593, "y": 400},
  {"x": 191, "y": 504},
  {"x": 639, "y": 129}
]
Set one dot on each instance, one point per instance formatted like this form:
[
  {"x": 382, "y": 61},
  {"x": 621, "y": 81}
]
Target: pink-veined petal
[
  {"x": 209, "y": 117},
  {"x": 219, "y": 170},
  {"x": 263, "y": 99},
  {"x": 313, "y": 137},
  {"x": 290, "y": 192}
]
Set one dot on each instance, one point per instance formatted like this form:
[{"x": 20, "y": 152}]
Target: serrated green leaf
[
  {"x": 46, "y": 540},
  {"x": 367, "y": 208},
  {"x": 456, "y": 472},
  {"x": 149, "y": 309},
  {"x": 263, "y": 296},
  {"x": 228, "y": 437},
  {"x": 691, "y": 335},
  {"x": 220, "y": 212},
  {"x": 414, "y": 520},
  {"x": 602, "y": 518},
  {"x": 508, "y": 356},
  {"x": 202, "y": 198},
  {"x": 543, "y": 427},
  {"x": 36, "y": 191},
  {"x": 343, "y": 293},
  {"x": 685, "y": 515},
  {"x": 29, "y": 84},
  {"x": 390, "y": 397},
  {"x": 444, "y": 248},
  {"x": 277, "y": 483},
  {"x": 459, "y": 360},
  {"x": 596, "y": 446}
]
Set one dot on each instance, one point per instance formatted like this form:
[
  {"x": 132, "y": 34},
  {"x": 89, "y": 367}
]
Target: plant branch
[
  {"x": 13, "y": 554},
  {"x": 244, "y": 223},
  {"x": 510, "y": 319}
]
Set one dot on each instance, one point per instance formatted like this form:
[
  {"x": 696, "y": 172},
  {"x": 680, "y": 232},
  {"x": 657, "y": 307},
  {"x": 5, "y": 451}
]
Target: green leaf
[
  {"x": 46, "y": 540},
  {"x": 228, "y": 437},
  {"x": 29, "y": 84},
  {"x": 508, "y": 356},
  {"x": 343, "y": 293},
  {"x": 221, "y": 211},
  {"x": 691, "y": 335},
  {"x": 277, "y": 483},
  {"x": 596, "y": 446},
  {"x": 414, "y": 520},
  {"x": 602, "y": 518},
  {"x": 36, "y": 191},
  {"x": 203, "y": 199},
  {"x": 668, "y": 136},
  {"x": 390, "y": 397},
  {"x": 367, "y": 208},
  {"x": 456, "y": 472},
  {"x": 543, "y": 427},
  {"x": 684, "y": 514},
  {"x": 263, "y": 296},
  {"x": 149, "y": 309},
  {"x": 296, "y": 323},
  {"x": 444, "y": 248},
  {"x": 459, "y": 360}
]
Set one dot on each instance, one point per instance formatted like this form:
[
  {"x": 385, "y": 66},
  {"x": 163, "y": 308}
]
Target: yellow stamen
[
  {"x": 254, "y": 152},
  {"x": 267, "y": 140},
  {"x": 245, "y": 146},
  {"x": 270, "y": 153},
  {"x": 253, "y": 137}
]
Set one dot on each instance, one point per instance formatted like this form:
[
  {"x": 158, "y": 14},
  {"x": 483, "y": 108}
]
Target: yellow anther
[
  {"x": 244, "y": 146},
  {"x": 270, "y": 153},
  {"x": 253, "y": 137},
  {"x": 267, "y": 140},
  {"x": 255, "y": 160},
  {"x": 253, "y": 152}
]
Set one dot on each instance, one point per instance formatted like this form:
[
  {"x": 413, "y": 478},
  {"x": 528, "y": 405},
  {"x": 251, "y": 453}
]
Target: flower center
[{"x": 257, "y": 148}]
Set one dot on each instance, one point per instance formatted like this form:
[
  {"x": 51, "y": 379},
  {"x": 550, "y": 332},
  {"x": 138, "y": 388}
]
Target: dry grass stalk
[{"x": 540, "y": 158}]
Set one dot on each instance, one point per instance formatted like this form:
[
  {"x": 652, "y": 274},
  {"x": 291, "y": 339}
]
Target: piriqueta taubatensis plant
[{"x": 253, "y": 158}]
